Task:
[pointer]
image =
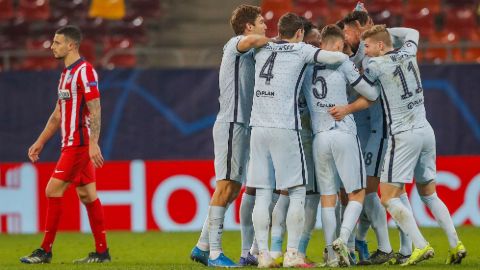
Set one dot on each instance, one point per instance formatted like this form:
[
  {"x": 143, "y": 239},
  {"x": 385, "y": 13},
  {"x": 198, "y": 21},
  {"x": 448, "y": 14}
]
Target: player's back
[
  {"x": 401, "y": 89},
  {"x": 236, "y": 83},
  {"x": 279, "y": 69},
  {"x": 325, "y": 87}
]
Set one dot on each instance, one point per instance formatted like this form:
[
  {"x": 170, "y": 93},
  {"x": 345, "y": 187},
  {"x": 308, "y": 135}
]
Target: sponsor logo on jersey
[
  {"x": 325, "y": 105},
  {"x": 91, "y": 84},
  {"x": 260, "y": 93},
  {"x": 415, "y": 103},
  {"x": 63, "y": 94}
]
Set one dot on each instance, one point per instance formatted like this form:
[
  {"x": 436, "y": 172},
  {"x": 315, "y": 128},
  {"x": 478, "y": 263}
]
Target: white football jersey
[
  {"x": 279, "y": 73},
  {"x": 236, "y": 80},
  {"x": 398, "y": 80},
  {"x": 325, "y": 86}
]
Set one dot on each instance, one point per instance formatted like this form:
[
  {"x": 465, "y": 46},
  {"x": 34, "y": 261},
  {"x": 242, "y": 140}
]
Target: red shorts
[{"x": 75, "y": 166}]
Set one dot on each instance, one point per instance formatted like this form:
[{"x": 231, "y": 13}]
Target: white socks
[
  {"x": 406, "y": 221},
  {"x": 279, "y": 216},
  {"x": 261, "y": 217},
  {"x": 441, "y": 214},
  {"x": 378, "y": 217},
  {"x": 311, "y": 208},
  {"x": 405, "y": 241},
  {"x": 216, "y": 216},
  {"x": 329, "y": 224},
  {"x": 203, "y": 242},
  {"x": 295, "y": 216},
  {"x": 246, "y": 225},
  {"x": 350, "y": 218}
]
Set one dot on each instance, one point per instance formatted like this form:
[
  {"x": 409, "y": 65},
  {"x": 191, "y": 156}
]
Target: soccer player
[
  {"x": 374, "y": 151},
  {"x": 77, "y": 114},
  {"x": 277, "y": 159},
  {"x": 411, "y": 141},
  {"x": 231, "y": 137},
  {"x": 336, "y": 148},
  {"x": 279, "y": 213}
]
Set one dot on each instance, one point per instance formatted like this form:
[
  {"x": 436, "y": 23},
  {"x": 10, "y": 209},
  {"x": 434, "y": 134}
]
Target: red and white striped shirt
[{"x": 78, "y": 85}]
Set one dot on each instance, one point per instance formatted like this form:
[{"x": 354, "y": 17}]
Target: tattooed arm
[{"x": 95, "y": 125}]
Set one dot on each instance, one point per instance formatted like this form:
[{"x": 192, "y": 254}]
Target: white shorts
[
  {"x": 307, "y": 141},
  {"x": 374, "y": 154},
  {"x": 410, "y": 154},
  {"x": 339, "y": 158},
  {"x": 231, "y": 146},
  {"x": 277, "y": 160}
]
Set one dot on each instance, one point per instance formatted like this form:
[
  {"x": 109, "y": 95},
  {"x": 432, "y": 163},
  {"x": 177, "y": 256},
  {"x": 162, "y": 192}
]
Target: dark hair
[
  {"x": 242, "y": 15},
  {"x": 307, "y": 25},
  {"x": 289, "y": 24},
  {"x": 341, "y": 24},
  {"x": 71, "y": 32},
  {"x": 332, "y": 31},
  {"x": 360, "y": 16}
]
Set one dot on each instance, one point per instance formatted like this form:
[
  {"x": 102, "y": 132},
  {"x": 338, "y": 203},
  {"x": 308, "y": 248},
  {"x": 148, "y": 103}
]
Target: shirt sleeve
[
  {"x": 355, "y": 80},
  {"x": 315, "y": 55},
  {"x": 372, "y": 72},
  {"x": 231, "y": 46},
  {"x": 89, "y": 83},
  {"x": 411, "y": 37},
  {"x": 351, "y": 72}
]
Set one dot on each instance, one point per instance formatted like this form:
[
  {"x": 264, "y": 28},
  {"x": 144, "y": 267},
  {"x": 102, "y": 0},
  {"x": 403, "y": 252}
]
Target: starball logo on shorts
[{"x": 260, "y": 93}]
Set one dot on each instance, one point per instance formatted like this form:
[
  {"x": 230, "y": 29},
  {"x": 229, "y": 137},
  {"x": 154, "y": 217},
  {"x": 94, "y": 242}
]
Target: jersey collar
[{"x": 81, "y": 59}]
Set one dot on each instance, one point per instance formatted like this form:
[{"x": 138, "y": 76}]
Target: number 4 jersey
[
  {"x": 279, "y": 72},
  {"x": 398, "y": 81}
]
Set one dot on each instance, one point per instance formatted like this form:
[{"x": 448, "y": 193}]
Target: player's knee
[
  {"x": 384, "y": 200},
  {"x": 53, "y": 192},
  {"x": 226, "y": 191},
  {"x": 86, "y": 199}
]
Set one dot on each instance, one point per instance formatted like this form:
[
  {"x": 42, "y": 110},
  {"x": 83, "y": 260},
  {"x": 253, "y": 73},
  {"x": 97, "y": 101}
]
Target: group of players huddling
[{"x": 323, "y": 116}]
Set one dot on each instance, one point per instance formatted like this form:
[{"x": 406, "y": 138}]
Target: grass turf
[{"x": 157, "y": 250}]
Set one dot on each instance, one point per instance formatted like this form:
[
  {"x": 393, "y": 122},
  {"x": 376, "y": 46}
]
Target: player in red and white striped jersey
[{"x": 77, "y": 115}]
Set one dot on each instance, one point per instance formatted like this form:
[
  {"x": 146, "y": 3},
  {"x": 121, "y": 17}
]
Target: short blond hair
[{"x": 378, "y": 33}]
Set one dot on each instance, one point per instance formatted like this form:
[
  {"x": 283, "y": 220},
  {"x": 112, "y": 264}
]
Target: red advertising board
[{"x": 174, "y": 195}]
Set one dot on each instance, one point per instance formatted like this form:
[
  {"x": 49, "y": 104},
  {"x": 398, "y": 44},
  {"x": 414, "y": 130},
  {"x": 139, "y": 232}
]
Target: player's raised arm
[
  {"x": 408, "y": 34},
  {"x": 327, "y": 57},
  {"x": 53, "y": 124},
  {"x": 252, "y": 41},
  {"x": 411, "y": 37}
]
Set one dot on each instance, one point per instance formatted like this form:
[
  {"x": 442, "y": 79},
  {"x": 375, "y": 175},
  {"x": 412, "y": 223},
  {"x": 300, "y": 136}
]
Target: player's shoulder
[{"x": 232, "y": 43}]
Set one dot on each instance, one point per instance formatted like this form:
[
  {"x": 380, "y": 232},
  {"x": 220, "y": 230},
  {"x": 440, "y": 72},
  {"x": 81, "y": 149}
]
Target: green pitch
[{"x": 157, "y": 250}]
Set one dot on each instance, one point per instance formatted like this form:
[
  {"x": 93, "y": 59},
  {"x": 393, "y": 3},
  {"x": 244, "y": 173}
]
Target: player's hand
[
  {"x": 95, "y": 155},
  {"x": 34, "y": 151},
  {"x": 338, "y": 112}
]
